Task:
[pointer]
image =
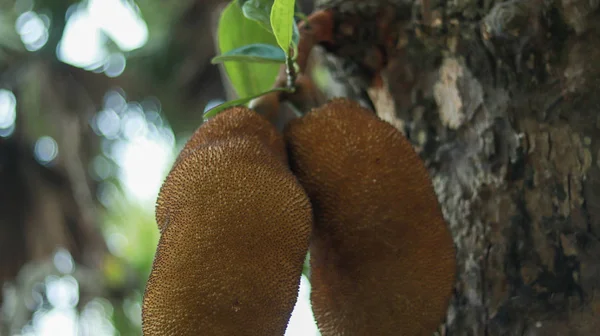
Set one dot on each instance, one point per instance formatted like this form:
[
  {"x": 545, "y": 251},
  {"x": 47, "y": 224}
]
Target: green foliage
[
  {"x": 235, "y": 31},
  {"x": 134, "y": 222},
  {"x": 282, "y": 21},
  {"x": 306, "y": 266},
  {"x": 247, "y": 35},
  {"x": 259, "y": 11},
  {"x": 258, "y": 52}
]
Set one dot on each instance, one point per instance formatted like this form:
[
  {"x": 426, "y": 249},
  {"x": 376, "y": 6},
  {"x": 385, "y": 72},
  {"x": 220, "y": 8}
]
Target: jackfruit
[
  {"x": 382, "y": 257},
  {"x": 235, "y": 232},
  {"x": 232, "y": 123}
]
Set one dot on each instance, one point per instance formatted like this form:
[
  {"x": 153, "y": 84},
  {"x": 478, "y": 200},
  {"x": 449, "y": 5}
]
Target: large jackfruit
[
  {"x": 237, "y": 122},
  {"x": 235, "y": 228},
  {"x": 382, "y": 257}
]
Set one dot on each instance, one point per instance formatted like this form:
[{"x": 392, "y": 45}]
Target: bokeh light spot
[
  {"x": 108, "y": 123},
  {"x": 33, "y": 30},
  {"x": 213, "y": 103},
  {"x": 8, "y": 112},
  {"x": 134, "y": 123},
  {"x": 45, "y": 150},
  {"x": 62, "y": 292},
  {"x": 91, "y": 24},
  {"x": 115, "y": 100},
  {"x": 82, "y": 44},
  {"x": 63, "y": 261},
  {"x": 120, "y": 21},
  {"x": 116, "y": 243},
  {"x": 115, "y": 65}
]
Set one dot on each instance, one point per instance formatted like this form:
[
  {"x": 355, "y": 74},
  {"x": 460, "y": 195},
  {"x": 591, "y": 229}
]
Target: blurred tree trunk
[
  {"x": 500, "y": 99},
  {"x": 48, "y": 206}
]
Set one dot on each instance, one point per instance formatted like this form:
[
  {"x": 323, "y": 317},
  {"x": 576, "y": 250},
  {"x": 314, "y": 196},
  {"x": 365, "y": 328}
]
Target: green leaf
[
  {"x": 236, "y": 31},
  {"x": 259, "y": 11},
  {"x": 306, "y": 266},
  {"x": 282, "y": 21},
  {"x": 258, "y": 52},
  {"x": 219, "y": 108}
]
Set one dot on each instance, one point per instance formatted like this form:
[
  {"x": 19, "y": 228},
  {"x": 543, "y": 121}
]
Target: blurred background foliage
[{"x": 96, "y": 98}]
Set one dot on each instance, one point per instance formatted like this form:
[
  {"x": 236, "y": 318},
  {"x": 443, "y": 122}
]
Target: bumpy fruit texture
[
  {"x": 235, "y": 231},
  {"x": 236, "y": 122},
  {"x": 382, "y": 257}
]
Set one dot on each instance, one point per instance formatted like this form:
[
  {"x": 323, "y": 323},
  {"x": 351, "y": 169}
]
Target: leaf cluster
[{"x": 255, "y": 37}]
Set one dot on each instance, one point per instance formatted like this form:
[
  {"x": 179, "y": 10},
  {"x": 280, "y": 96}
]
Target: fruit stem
[{"x": 290, "y": 71}]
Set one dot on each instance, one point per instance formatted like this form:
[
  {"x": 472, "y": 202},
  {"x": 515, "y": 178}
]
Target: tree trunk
[
  {"x": 47, "y": 206},
  {"x": 500, "y": 100}
]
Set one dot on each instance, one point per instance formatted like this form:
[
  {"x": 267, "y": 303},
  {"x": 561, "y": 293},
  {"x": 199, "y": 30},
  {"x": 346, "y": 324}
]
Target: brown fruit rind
[
  {"x": 235, "y": 122},
  {"x": 236, "y": 232},
  {"x": 382, "y": 257}
]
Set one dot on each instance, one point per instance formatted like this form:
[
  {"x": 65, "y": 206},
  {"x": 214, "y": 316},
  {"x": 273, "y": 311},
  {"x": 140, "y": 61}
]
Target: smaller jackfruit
[
  {"x": 235, "y": 230},
  {"x": 382, "y": 257}
]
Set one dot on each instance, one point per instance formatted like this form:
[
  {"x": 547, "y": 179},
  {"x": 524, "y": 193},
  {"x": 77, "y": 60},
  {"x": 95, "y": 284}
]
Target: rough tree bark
[{"x": 499, "y": 98}]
